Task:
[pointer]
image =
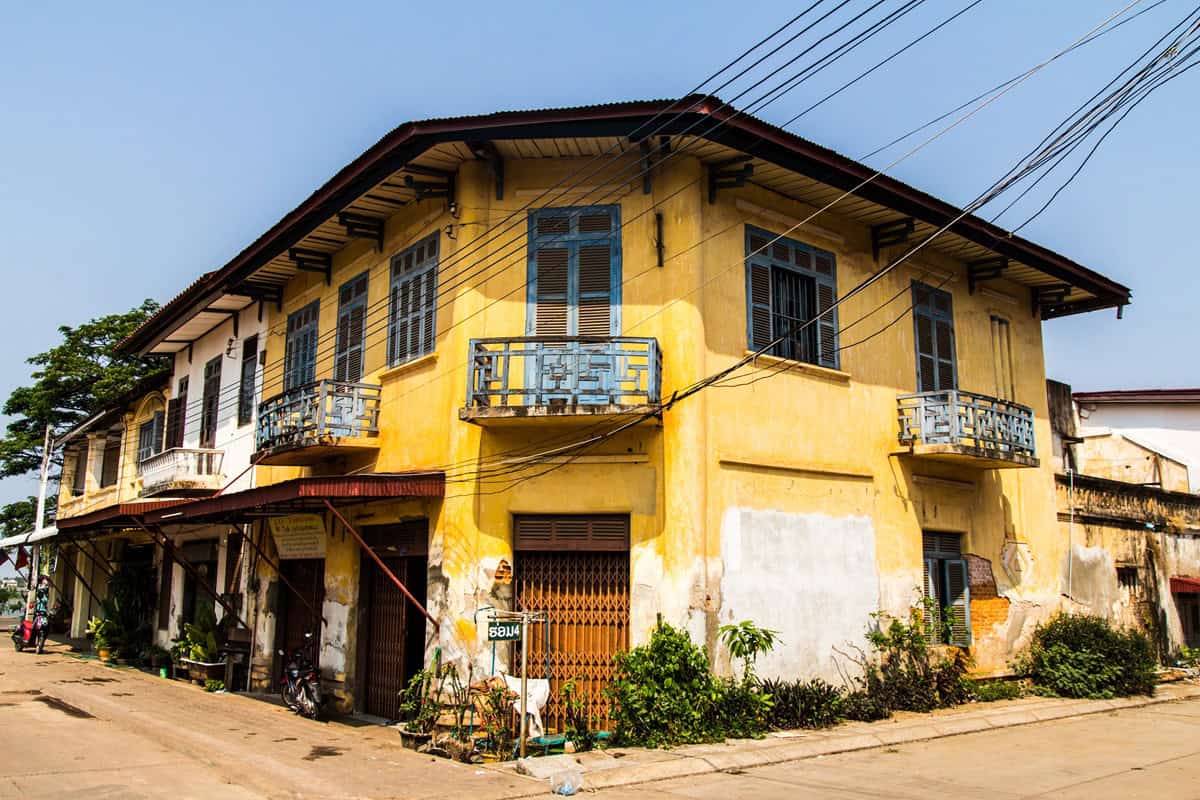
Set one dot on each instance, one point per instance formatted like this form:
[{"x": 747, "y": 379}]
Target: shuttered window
[
  {"x": 1002, "y": 359},
  {"x": 933, "y": 318},
  {"x": 176, "y": 414},
  {"x": 947, "y": 588},
  {"x": 412, "y": 321},
  {"x": 788, "y": 285},
  {"x": 150, "y": 438},
  {"x": 111, "y": 464},
  {"x": 210, "y": 402},
  {"x": 351, "y": 330},
  {"x": 574, "y": 272},
  {"x": 246, "y": 380},
  {"x": 300, "y": 351},
  {"x": 79, "y": 479},
  {"x": 586, "y": 532}
]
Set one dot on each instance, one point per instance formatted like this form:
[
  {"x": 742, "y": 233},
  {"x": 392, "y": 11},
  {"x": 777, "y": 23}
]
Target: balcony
[
  {"x": 311, "y": 423},
  {"x": 182, "y": 471},
  {"x": 967, "y": 429},
  {"x": 578, "y": 377}
]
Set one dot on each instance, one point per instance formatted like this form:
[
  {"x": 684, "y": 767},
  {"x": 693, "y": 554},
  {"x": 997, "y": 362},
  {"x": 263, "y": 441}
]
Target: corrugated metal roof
[
  {"x": 117, "y": 515},
  {"x": 1118, "y": 396},
  {"x": 737, "y": 129},
  {"x": 298, "y": 493}
]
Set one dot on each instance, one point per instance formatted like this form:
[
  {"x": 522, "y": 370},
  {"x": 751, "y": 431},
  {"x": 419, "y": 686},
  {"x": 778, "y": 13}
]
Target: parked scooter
[
  {"x": 300, "y": 685},
  {"x": 33, "y": 633}
]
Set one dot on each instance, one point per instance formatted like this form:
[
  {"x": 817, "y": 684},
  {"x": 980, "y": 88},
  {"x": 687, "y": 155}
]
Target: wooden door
[
  {"x": 386, "y": 625},
  {"x": 583, "y": 585},
  {"x": 295, "y": 619}
]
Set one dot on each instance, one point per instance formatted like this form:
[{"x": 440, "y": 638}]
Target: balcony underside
[
  {"x": 306, "y": 454},
  {"x": 184, "y": 487},
  {"x": 562, "y": 414},
  {"x": 967, "y": 456}
]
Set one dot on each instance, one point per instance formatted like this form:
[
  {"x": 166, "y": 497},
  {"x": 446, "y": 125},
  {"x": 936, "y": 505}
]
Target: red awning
[
  {"x": 119, "y": 515},
  {"x": 1185, "y": 585},
  {"x": 303, "y": 494}
]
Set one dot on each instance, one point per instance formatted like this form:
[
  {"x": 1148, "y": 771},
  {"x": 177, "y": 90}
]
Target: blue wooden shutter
[
  {"x": 574, "y": 272},
  {"x": 933, "y": 323},
  {"x": 932, "y": 613},
  {"x": 351, "y": 331},
  {"x": 300, "y": 351},
  {"x": 788, "y": 284},
  {"x": 413, "y": 326},
  {"x": 825, "y": 273},
  {"x": 958, "y": 600}
]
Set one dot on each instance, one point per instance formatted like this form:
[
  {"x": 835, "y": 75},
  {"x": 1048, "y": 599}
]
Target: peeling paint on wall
[{"x": 812, "y": 577}]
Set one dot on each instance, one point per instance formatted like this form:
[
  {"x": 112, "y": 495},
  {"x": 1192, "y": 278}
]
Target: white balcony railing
[{"x": 183, "y": 469}]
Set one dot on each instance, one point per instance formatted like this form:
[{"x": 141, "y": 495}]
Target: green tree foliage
[
  {"x": 17, "y": 517},
  {"x": 71, "y": 380}
]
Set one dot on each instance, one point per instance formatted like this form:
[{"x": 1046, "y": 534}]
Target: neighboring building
[
  {"x": 478, "y": 371},
  {"x": 1150, "y": 435},
  {"x": 1134, "y": 542}
]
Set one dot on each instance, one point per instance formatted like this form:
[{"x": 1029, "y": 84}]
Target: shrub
[
  {"x": 212, "y": 685},
  {"x": 1084, "y": 656},
  {"x": 740, "y": 709},
  {"x": 862, "y": 707},
  {"x": 902, "y": 673},
  {"x": 664, "y": 693},
  {"x": 991, "y": 691},
  {"x": 803, "y": 704}
]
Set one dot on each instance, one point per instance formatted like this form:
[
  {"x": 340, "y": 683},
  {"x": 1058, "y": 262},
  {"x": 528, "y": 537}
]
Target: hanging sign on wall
[{"x": 299, "y": 536}]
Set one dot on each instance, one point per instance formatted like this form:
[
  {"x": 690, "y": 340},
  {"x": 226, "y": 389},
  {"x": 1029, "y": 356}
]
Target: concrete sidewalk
[{"x": 624, "y": 767}]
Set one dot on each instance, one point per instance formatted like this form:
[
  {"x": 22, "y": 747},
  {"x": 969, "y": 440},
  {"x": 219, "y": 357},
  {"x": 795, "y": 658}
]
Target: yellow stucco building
[{"x": 483, "y": 344}]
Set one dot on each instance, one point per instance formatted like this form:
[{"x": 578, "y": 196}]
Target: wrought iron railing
[
  {"x": 182, "y": 466},
  {"x": 317, "y": 412},
  {"x": 533, "y": 371},
  {"x": 968, "y": 419}
]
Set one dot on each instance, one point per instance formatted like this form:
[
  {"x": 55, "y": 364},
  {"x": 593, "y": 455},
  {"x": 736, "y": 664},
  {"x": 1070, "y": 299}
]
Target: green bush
[
  {"x": 803, "y": 704},
  {"x": 740, "y": 709},
  {"x": 862, "y": 707},
  {"x": 1084, "y": 656},
  {"x": 902, "y": 673},
  {"x": 991, "y": 691},
  {"x": 664, "y": 693}
]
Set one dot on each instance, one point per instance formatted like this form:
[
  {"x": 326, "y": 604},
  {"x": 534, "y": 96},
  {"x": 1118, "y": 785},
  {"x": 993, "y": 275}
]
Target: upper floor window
[
  {"x": 300, "y": 351},
  {"x": 150, "y": 438},
  {"x": 788, "y": 285},
  {"x": 412, "y": 321},
  {"x": 177, "y": 413},
  {"x": 246, "y": 380},
  {"x": 110, "y": 464},
  {"x": 351, "y": 330},
  {"x": 210, "y": 402},
  {"x": 574, "y": 272},
  {"x": 79, "y": 479},
  {"x": 933, "y": 318}
]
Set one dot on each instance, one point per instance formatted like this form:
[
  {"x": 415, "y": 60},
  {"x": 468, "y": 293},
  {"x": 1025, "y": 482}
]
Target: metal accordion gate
[{"x": 576, "y": 568}]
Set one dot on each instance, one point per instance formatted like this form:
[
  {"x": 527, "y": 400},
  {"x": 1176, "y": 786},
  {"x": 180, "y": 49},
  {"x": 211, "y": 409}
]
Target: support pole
[
  {"x": 86, "y": 585},
  {"x": 380, "y": 564},
  {"x": 524, "y": 680},
  {"x": 279, "y": 571},
  {"x": 97, "y": 559},
  {"x": 191, "y": 570},
  {"x": 43, "y": 482}
]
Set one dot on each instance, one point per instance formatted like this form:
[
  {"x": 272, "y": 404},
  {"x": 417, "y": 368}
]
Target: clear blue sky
[{"x": 145, "y": 143}]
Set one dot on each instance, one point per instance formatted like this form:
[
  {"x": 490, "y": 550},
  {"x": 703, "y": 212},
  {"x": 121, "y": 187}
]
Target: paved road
[{"x": 70, "y": 727}]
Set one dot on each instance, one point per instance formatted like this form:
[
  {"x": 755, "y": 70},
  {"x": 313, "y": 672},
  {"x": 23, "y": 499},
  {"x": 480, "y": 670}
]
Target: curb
[{"x": 708, "y": 759}]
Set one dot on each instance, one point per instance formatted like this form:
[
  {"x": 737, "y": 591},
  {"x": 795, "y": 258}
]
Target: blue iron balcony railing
[
  {"x": 989, "y": 426},
  {"x": 582, "y": 373},
  {"x": 318, "y": 413}
]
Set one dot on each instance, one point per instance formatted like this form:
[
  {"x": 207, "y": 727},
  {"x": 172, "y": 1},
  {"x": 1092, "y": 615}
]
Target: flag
[
  {"x": 22, "y": 558},
  {"x": 3, "y": 557}
]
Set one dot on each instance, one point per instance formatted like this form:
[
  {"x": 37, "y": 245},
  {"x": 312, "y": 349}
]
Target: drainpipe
[{"x": 1071, "y": 534}]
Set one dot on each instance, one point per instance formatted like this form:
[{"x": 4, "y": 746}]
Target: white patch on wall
[
  {"x": 812, "y": 577},
  {"x": 333, "y": 637}
]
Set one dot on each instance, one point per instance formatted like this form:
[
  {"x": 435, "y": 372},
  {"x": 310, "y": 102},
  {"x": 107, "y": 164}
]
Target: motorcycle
[
  {"x": 300, "y": 685},
  {"x": 32, "y": 633}
]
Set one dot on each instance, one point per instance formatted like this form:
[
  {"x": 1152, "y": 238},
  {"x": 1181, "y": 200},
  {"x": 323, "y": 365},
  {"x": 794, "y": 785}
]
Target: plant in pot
[
  {"x": 99, "y": 631},
  {"x": 420, "y": 707},
  {"x": 155, "y": 656},
  {"x": 197, "y": 647}
]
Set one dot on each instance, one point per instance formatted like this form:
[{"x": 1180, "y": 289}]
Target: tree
[
  {"x": 17, "y": 517},
  {"x": 72, "y": 380}
]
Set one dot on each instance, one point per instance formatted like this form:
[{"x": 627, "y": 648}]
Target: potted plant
[
  {"x": 420, "y": 708},
  {"x": 198, "y": 649},
  {"x": 98, "y": 630},
  {"x": 156, "y": 656}
]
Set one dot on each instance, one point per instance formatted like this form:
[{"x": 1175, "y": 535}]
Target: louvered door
[
  {"x": 933, "y": 317},
  {"x": 300, "y": 351},
  {"x": 351, "y": 331},
  {"x": 576, "y": 568}
]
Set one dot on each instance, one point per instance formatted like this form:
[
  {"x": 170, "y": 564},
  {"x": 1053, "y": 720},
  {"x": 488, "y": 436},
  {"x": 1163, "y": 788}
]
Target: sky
[{"x": 146, "y": 143}]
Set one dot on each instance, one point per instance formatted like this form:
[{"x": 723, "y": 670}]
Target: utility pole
[{"x": 43, "y": 482}]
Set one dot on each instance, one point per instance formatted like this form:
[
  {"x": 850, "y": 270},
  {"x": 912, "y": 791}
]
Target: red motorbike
[{"x": 31, "y": 633}]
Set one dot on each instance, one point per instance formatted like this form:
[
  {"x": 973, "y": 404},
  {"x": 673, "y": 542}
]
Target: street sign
[{"x": 504, "y": 631}]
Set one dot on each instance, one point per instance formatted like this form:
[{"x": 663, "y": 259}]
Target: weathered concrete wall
[
  {"x": 1173, "y": 429},
  {"x": 1118, "y": 458}
]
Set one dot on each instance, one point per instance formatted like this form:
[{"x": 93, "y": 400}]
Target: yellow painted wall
[{"x": 809, "y": 447}]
